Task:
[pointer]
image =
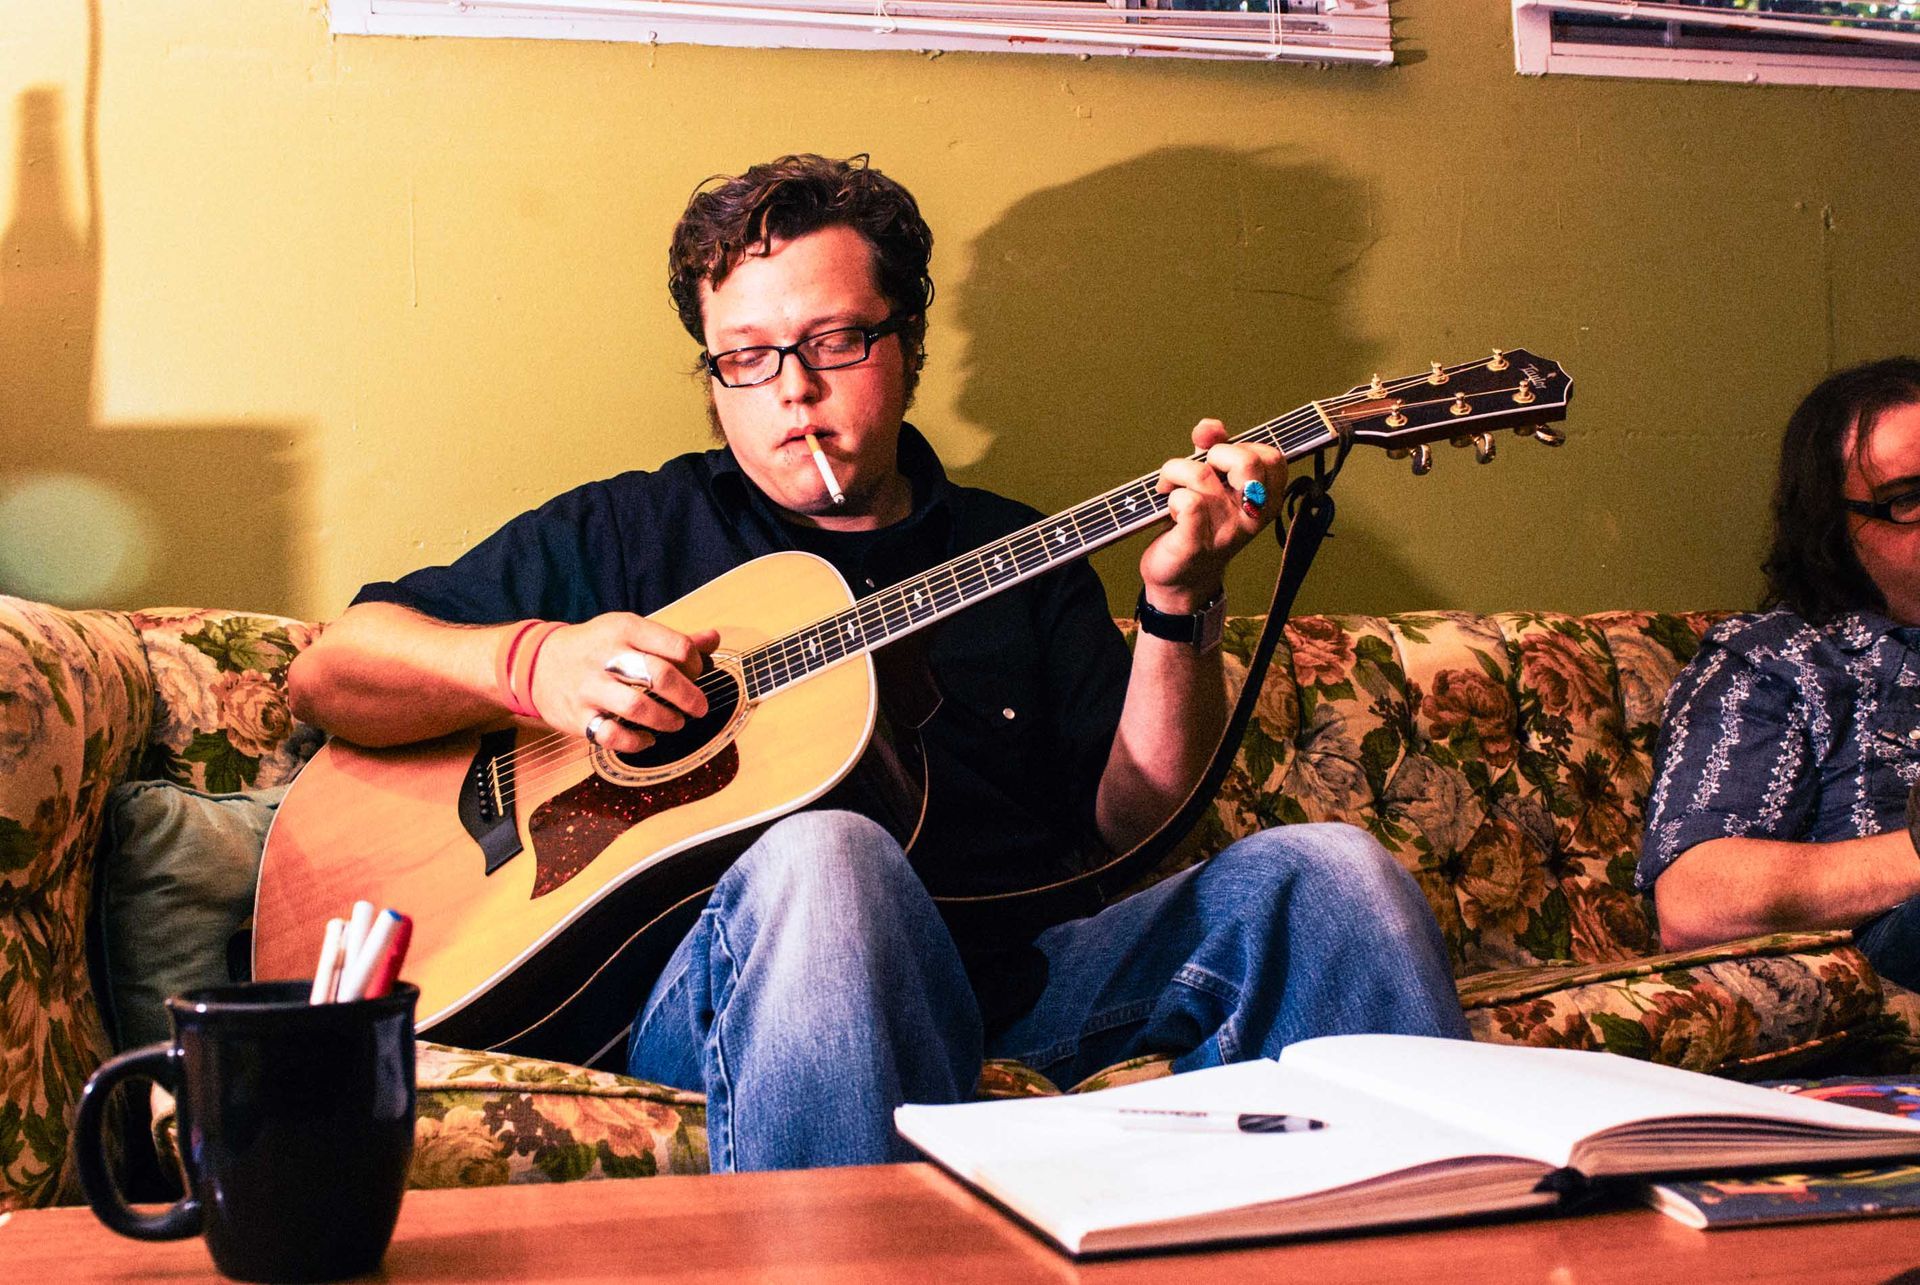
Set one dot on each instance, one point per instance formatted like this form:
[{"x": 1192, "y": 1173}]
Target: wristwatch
[{"x": 1200, "y": 630}]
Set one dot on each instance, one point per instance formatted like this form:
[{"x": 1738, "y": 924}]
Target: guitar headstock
[{"x": 1464, "y": 404}]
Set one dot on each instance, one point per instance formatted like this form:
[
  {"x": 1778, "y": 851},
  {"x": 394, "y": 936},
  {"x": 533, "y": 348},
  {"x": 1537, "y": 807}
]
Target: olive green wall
[{"x": 281, "y": 313}]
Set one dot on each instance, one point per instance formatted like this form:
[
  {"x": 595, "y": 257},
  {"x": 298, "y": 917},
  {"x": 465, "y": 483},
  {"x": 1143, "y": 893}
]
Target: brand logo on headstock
[{"x": 1533, "y": 376}]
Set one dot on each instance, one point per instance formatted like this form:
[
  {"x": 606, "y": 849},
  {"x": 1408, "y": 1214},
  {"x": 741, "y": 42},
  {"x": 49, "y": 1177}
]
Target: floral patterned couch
[{"x": 1503, "y": 759}]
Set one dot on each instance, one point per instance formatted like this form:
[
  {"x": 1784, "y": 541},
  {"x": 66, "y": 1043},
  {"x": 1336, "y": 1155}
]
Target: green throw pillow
[{"x": 176, "y": 883}]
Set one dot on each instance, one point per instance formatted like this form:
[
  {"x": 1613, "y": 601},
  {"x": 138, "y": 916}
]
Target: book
[
  {"x": 1749, "y": 1200},
  {"x": 1412, "y": 1129}
]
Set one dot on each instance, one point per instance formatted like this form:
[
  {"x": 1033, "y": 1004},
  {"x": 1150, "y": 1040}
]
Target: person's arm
[
  {"x": 1176, "y": 703},
  {"x": 1730, "y": 888},
  {"x": 384, "y": 674}
]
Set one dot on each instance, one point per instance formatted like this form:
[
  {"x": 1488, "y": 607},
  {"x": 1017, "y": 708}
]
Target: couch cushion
[
  {"x": 1503, "y": 759},
  {"x": 1901, "y": 1052},
  {"x": 74, "y": 705},
  {"x": 220, "y": 716},
  {"x": 1762, "y": 1006},
  {"x": 490, "y": 1118},
  {"x": 177, "y": 879}
]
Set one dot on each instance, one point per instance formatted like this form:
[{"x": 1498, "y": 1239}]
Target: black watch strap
[{"x": 1200, "y": 630}]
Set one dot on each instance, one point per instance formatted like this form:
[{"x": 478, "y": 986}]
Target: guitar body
[{"x": 550, "y": 949}]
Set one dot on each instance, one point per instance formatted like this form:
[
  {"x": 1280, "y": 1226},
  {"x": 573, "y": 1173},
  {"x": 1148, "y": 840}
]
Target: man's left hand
[{"x": 1185, "y": 565}]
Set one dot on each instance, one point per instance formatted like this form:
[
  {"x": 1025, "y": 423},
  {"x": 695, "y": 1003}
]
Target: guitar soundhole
[{"x": 723, "y": 698}]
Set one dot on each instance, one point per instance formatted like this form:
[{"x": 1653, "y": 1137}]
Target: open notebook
[{"x": 1414, "y": 1129}]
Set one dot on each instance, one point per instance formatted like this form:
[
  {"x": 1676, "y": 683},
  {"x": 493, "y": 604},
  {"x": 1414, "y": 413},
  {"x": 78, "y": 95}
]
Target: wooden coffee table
[{"x": 897, "y": 1223}]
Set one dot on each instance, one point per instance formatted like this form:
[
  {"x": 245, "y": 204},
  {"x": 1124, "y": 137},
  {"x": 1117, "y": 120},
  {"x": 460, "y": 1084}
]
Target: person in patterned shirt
[{"x": 1791, "y": 742}]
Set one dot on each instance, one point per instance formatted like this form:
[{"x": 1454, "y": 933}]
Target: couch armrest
[{"x": 75, "y": 702}]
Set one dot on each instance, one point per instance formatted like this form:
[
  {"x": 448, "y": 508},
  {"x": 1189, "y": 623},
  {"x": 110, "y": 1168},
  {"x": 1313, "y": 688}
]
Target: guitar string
[
  {"x": 556, "y": 750},
  {"x": 552, "y": 749},
  {"x": 560, "y": 751}
]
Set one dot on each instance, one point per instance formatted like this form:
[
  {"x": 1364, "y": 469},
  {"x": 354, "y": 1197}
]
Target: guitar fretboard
[{"x": 917, "y": 602}]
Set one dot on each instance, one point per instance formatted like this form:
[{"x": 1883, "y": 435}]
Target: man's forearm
[
  {"x": 1175, "y": 709},
  {"x": 386, "y": 675},
  {"x": 1730, "y": 888}
]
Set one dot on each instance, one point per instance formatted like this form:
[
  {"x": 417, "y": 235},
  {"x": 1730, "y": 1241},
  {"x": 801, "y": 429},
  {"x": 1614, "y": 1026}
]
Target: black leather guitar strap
[
  {"x": 1310, "y": 514},
  {"x": 1019, "y": 916}
]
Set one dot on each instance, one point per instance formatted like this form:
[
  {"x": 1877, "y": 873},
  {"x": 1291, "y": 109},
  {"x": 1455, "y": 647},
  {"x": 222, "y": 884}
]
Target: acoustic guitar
[{"x": 549, "y": 879}]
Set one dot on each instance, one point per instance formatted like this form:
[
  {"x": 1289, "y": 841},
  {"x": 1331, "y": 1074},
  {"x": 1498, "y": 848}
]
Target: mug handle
[{"x": 156, "y": 1062}]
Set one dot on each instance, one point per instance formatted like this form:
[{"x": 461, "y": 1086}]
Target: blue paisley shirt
[{"x": 1778, "y": 729}]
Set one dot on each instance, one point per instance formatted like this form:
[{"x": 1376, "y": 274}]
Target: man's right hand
[{"x": 572, "y": 683}]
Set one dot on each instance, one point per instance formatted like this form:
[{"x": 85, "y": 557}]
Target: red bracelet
[
  {"x": 520, "y": 677},
  {"x": 503, "y": 657}
]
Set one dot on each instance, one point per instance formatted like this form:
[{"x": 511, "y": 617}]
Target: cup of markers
[
  {"x": 361, "y": 955},
  {"x": 296, "y": 1109}
]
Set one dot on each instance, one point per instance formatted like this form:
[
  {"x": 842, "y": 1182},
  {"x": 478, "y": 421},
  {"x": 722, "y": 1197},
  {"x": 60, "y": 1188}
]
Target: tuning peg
[
  {"x": 1549, "y": 435},
  {"x": 1524, "y": 394},
  {"x": 1422, "y": 460},
  {"x": 1398, "y": 452},
  {"x": 1439, "y": 375},
  {"x": 1483, "y": 448},
  {"x": 1459, "y": 405},
  {"x": 1499, "y": 361},
  {"x": 1376, "y": 388}
]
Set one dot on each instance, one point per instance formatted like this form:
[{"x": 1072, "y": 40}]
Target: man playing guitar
[{"x": 820, "y": 986}]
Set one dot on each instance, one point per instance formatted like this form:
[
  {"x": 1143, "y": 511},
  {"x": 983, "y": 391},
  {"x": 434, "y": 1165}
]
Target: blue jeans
[
  {"x": 820, "y": 989},
  {"x": 1891, "y": 943}
]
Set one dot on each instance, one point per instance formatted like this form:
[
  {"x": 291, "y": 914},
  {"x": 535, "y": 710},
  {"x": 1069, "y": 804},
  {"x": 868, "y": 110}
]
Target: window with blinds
[
  {"x": 1313, "y": 31},
  {"x": 1800, "y": 42}
]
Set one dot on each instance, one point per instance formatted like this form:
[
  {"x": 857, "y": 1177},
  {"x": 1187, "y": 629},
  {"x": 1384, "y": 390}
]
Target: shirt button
[{"x": 1007, "y": 712}]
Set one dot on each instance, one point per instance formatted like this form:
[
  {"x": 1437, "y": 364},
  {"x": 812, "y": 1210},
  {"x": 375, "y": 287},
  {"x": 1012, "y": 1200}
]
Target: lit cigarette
[{"x": 826, "y": 470}]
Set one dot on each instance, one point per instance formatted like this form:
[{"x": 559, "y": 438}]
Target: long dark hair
[{"x": 1811, "y": 567}]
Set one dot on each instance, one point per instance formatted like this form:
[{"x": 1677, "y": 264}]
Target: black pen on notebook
[{"x": 1210, "y": 1121}]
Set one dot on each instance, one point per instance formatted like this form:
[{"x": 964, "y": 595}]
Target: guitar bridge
[{"x": 486, "y": 800}]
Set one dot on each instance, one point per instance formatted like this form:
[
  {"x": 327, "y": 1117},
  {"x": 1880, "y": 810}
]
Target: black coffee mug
[{"x": 295, "y": 1128}]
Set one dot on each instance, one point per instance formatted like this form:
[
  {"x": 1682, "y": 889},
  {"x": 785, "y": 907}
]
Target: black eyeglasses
[
  {"x": 1902, "y": 509},
  {"x": 828, "y": 350}
]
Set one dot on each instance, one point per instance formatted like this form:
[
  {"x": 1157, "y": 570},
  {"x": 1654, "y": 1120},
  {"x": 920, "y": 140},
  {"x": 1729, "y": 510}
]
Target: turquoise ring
[{"x": 1253, "y": 498}]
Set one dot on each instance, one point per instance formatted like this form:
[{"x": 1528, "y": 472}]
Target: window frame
[
  {"x": 1537, "y": 52},
  {"x": 745, "y": 24}
]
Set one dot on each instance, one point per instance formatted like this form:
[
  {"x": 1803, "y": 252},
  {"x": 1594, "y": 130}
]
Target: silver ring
[
  {"x": 593, "y": 726},
  {"x": 630, "y": 667}
]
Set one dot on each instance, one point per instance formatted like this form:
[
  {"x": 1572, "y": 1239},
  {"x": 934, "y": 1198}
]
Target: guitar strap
[
  {"x": 1021, "y": 915},
  {"x": 1310, "y": 511}
]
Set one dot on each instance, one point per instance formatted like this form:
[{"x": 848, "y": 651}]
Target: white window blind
[
  {"x": 1807, "y": 42},
  {"x": 1316, "y": 31}
]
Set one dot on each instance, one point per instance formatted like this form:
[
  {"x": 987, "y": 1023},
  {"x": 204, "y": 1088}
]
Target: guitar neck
[
  {"x": 1462, "y": 403},
  {"x": 931, "y": 596}
]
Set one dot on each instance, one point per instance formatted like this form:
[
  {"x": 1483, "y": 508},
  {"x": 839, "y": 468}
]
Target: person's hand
[
  {"x": 653, "y": 690},
  {"x": 1185, "y": 565}
]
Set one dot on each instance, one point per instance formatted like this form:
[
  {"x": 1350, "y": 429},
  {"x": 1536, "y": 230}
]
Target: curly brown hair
[{"x": 791, "y": 197}]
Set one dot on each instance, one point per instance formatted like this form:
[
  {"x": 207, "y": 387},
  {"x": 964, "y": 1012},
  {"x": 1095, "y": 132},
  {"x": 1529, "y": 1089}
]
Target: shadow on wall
[
  {"x": 124, "y": 514},
  {"x": 1106, "y": 315}
]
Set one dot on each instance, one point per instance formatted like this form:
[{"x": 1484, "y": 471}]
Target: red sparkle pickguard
[{"x": 576, "y": 825}]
